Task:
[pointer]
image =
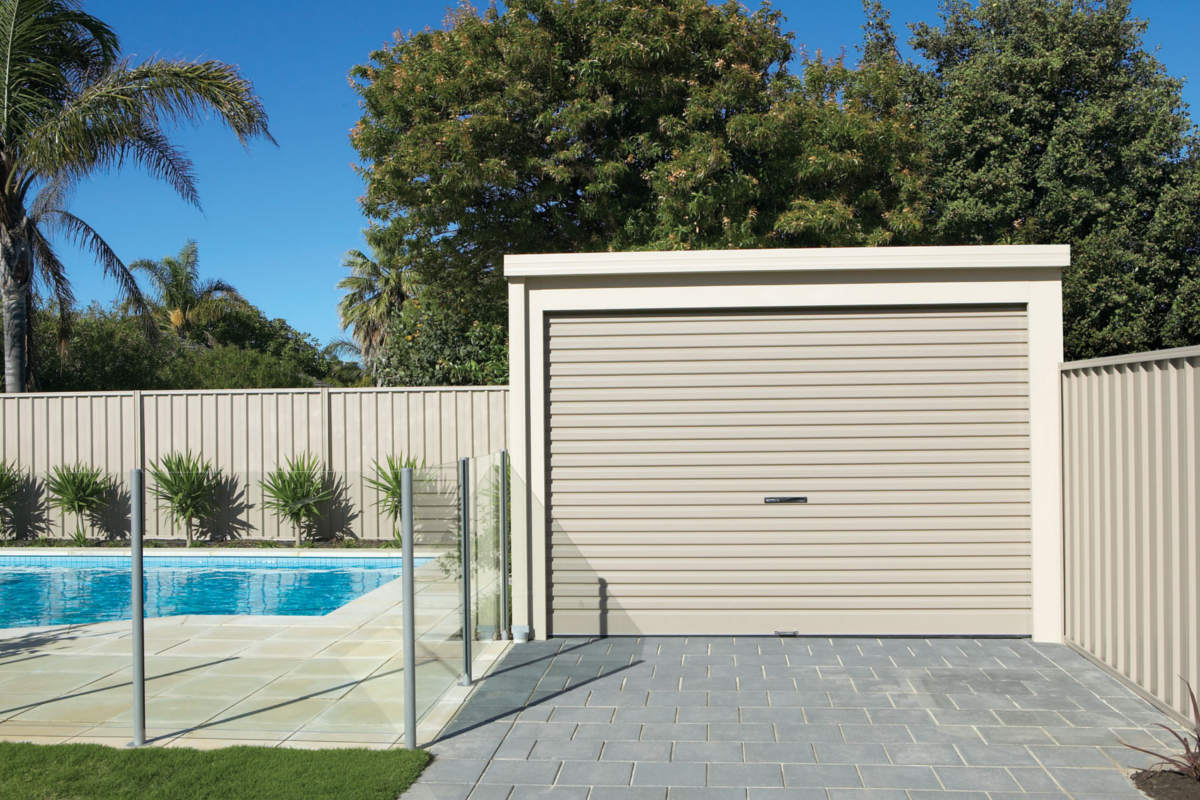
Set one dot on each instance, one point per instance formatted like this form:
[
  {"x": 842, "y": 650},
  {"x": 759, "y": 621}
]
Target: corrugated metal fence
[
  {"x": 1130, "y": 471},
  {"x": 247, "y": 433}
]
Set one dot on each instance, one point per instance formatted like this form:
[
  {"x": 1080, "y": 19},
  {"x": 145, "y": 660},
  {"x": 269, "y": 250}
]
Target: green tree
[
  {"x": 436, "y": 344},
  {"x": 227, "y": 367},
  {"x": 593, "y": 125},
  {"x": 247, "y": 328},
  {"x": 71, "y": 106},
  {"x": 106, "y": 350},
  {"x": 184, "y": 302},
  {"x": 110, "y": 349},
  {"x": 1049, "y": 122},
  {"x": 375, "y": 291}
]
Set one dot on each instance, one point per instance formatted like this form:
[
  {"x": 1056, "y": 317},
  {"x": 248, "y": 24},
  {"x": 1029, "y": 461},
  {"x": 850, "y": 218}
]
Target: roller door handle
[{"x": 785, "y": 499}]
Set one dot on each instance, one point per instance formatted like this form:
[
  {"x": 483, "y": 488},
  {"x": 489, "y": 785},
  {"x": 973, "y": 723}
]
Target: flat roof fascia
[{"x": 814, "y": 259}]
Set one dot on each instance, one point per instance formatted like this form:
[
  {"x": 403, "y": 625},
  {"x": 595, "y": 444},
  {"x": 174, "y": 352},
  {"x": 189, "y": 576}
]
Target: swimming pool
[{"x": 59, "y": 590}]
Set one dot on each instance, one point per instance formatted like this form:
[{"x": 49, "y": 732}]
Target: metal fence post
[
  {"x": 136, "y": 583},
  {"x": 504, "y": 544},
  {"x": 464, "y": 499},
  {"x": 410, "y": 616}
]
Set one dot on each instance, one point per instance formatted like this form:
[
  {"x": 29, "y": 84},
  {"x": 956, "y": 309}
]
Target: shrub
[
  {"x": 187, "y": 484},
  {"x": 298, "y": 492},
  {"x": 386, "y": 481},
  {"x": 12, "y": 482},
  {"x": 80, "y": 490}
]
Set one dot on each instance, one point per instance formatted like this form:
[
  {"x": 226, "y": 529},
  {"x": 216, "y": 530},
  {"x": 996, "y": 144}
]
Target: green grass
[{"x": 96, "y": 772}]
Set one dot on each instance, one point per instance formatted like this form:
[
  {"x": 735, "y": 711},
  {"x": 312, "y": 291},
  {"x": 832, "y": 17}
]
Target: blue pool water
[{"x": 57, "y": 590}]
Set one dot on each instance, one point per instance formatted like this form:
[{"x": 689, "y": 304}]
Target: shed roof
[{"x": 813, "y": 259}]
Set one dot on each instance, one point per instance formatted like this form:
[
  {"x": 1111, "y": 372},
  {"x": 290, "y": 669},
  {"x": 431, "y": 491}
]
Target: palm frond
[
  {"x": 52, "y": 275},
  {"x": 52, "y": 196},
  {"x": 121, "y": 116},
  {"x": 87, "y": 238},
  {"x": 47, "y": 48},
  {"x": 49, "y": 271},
  {"x": 208, "y": 309},
  {"x": 342, "y": 348},
  {"x": 154, "y": 270},
  {"x": 164, "y": 161},
  {"x": 212, "y": 288}
]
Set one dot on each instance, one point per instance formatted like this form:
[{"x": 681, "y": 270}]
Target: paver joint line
[{"x": 916, "y": 719}]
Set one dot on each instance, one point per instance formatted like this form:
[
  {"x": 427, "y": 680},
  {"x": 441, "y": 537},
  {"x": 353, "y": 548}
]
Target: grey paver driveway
[{"x": 751, "y": 718}]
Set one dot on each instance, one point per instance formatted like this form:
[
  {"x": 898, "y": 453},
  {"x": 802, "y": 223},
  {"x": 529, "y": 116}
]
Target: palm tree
[
  {"x": 69, "y": 106},
  {"x": 375, "y": 291},
  {"x": 186, "y": 301}
]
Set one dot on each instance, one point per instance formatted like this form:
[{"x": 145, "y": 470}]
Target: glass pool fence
[{"x": 446, "y": 526}]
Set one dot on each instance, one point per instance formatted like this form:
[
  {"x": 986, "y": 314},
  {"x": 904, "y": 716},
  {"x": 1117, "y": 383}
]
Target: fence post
[
  {"x": 464, "y": 499},
  {"x": 410, "y": 616},
  {"x": 136, "y": 582},
  {"x": 504, "y": 544}
]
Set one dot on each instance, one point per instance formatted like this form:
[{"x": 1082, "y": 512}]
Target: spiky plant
[
  {"x": 1188, "y": 762},
  {"x": 12, "y": 480},
  {"x": 187, "y": 484},
  {"x": 297, "y": 492},
  {"x": 80, "y": 490},
  {"x": 70, "y": 106},
  {"x": 387, "y": 482}
]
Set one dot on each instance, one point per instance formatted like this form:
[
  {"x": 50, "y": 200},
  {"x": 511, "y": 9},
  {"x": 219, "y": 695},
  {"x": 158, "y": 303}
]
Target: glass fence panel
[
  {"x": 484, "y": 507},
  {"x": 438, "y": 598}
]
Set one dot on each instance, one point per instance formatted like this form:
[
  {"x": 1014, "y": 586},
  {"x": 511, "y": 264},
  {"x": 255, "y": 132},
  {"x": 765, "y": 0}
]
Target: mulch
[{"x": 1167, "y": 785}]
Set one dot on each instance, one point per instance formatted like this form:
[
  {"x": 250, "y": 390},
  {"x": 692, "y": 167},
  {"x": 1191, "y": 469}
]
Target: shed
[{"x": 830, "y": 441}]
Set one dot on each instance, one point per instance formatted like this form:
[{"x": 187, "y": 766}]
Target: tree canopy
[
  {"x": 591, "y": 125},
  {"x": 594, "y": 125},
  {"x": 110, "y": 349},
  {"x": 1048, "y": 121}
]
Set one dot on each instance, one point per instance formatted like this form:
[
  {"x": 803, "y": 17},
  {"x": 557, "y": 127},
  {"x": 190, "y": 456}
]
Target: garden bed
[{"x": 1167, "y": 785}]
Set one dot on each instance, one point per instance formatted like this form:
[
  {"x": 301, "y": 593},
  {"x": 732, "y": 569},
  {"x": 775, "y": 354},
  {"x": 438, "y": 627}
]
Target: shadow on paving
[{"x": 535, "y": 673}]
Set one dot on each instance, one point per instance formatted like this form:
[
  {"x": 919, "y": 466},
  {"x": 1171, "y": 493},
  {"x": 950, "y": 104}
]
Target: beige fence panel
[
  {"x": 44, "y": 431},
  {"x": 1130, "y": 473},
  {"x": 247, "y": 433}
]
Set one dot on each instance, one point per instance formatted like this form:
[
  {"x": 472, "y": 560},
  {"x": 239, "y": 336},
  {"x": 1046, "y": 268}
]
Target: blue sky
[{"x": 276, "y": 220}]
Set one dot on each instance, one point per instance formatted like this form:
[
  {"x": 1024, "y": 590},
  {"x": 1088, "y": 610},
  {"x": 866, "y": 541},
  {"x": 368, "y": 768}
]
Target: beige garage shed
[{"x": 824, "y": 441}]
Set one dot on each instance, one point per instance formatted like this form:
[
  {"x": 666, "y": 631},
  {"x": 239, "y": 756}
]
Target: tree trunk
[
  {"x": 16, "y": 320},
  {"x": 16, "y": 277}
]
